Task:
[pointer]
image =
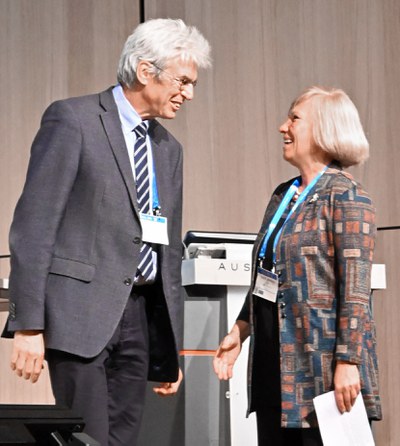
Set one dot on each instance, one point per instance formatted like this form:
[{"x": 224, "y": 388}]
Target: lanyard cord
[{"x": 281, "y": 209}]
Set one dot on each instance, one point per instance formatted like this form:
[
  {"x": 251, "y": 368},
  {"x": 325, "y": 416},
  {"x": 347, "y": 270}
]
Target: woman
[{"x": 308, "y": 312}]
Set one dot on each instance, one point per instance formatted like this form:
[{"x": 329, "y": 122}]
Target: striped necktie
[{"x": 145, "y": 267}]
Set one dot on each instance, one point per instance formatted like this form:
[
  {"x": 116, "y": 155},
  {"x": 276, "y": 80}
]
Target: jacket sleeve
[
  {"x": 51, "y": 173},
  {"x": 354, "y": 233},
  {"x": 244, "y": 314}
]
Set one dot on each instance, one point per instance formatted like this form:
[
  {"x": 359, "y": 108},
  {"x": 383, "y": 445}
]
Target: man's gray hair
[{"x": 158, "y": 41}]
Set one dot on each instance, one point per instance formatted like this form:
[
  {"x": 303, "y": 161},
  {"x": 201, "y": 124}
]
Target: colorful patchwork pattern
[{"x": 324, "y": 258}]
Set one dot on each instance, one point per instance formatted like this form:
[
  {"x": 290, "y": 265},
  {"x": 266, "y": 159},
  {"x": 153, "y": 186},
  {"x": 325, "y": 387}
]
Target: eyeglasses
[{"x": 182, "y": 82}]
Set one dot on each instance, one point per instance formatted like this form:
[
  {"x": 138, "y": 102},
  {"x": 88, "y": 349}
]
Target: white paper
[{"x": 347, "y": 429}]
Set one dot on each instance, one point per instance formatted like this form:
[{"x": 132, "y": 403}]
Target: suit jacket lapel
[{"x": 112, "y": 127}]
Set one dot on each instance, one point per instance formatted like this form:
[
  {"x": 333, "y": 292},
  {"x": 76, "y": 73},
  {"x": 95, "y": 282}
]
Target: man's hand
[
  {"x": 167, "y": 389},
  {"x": 347, "y": 385},
  {"x": 28, "y": 354}
]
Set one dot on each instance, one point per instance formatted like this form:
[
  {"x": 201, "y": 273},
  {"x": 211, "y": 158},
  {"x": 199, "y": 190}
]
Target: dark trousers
[
  {"x": 108, "y": 391},
  {"x": 270, "y": 432}
]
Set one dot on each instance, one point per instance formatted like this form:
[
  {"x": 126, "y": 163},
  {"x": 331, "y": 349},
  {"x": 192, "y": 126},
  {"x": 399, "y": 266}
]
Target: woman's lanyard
[{"x": 281, "y": 209}]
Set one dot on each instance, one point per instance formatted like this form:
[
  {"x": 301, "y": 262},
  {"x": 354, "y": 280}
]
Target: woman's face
[{"x": 297, "y": 131}]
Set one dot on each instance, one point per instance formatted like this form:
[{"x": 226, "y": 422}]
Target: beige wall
[
  {"x": 386, "y": 308},
  {"x": 265, "y": 52}
]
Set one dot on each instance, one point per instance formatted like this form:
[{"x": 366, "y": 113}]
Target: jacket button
[
  {"x": 283, "y": 315},
  {"x": 282, "y": 305},
  {"x": 12, "y": 311},
  {"x": 136, "y": 240},
  {"x": 128, "y": 281}
]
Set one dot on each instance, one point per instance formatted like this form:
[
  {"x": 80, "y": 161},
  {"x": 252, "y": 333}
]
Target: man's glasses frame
[{"x": 182, "y": 82}]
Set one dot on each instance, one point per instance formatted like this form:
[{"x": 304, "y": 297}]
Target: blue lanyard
[
  {"x": 156, "y": 202},
  {"x": 281, "y": 209}
]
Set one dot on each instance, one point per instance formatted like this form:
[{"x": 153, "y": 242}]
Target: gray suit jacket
[{"x": 75, "y": 238}]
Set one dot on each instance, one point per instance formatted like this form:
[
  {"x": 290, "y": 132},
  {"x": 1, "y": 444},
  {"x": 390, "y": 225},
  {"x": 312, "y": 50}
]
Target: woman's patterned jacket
[{"x": 323, "y": 260}]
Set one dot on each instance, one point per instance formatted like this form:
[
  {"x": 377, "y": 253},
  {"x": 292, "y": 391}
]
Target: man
[{"x": 96, "y": 238}]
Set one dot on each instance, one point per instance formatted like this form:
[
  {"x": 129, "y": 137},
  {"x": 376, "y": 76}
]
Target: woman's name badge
[
  {"x": 266, "y": 284},
  {"x": 154, "y": 229}
]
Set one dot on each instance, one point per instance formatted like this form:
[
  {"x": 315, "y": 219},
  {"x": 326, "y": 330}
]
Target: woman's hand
[
  {"x": 347, "y": 385},
  {"x": 229, "y": 349}
]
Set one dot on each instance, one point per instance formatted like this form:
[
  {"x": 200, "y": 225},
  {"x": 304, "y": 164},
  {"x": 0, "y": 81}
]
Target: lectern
[{"x": 216, "y": 275}]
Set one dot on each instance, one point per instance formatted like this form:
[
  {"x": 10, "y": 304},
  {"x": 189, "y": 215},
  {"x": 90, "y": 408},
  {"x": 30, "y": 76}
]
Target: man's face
[{"x": 164, "y": 94}]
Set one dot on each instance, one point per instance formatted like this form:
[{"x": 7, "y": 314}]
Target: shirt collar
[{"x": 128, "y": 115}]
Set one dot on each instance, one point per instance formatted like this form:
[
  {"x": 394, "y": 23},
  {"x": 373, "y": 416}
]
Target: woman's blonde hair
[{"x": 337, "y": 128}]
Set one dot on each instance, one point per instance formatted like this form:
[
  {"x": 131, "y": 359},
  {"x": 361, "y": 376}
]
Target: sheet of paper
[{"x": 348, "y": 429}]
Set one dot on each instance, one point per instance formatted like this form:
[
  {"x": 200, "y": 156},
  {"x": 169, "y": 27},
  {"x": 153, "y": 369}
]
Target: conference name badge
[
  {"x": 266, "y": 285},
  {"x": 154, "y": 229}
]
